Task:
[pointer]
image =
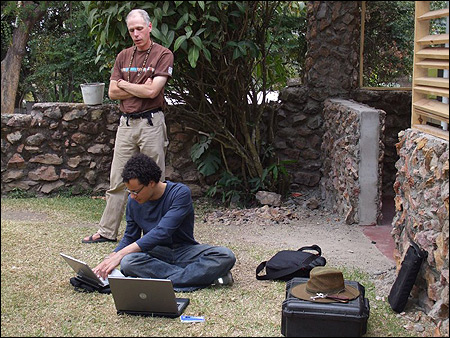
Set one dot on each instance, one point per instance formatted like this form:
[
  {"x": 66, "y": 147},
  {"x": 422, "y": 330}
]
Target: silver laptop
[
  {"x": 146, "y": 297},
  {"x": 84, "y": 272}
]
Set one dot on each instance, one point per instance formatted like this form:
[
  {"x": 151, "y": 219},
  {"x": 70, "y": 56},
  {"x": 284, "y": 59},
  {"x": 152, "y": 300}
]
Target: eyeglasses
[{"x": 135, "y": 193}]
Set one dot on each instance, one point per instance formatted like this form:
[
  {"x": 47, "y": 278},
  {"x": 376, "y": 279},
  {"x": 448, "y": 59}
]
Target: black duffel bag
[
  {"x": 399, "y": 294},
  {"x": 288, "y": 264}
]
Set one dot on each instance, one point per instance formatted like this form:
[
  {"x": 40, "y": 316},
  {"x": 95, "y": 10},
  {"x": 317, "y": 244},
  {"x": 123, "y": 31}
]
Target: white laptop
[
  {"x": 85, "y": 273},
  {"x": 146, "y": 297}
]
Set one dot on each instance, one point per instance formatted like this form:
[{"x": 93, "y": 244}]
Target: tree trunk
[{"x": 12, "y": 63}]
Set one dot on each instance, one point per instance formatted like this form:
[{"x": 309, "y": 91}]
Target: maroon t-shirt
[{"x": 159, "y": 63}]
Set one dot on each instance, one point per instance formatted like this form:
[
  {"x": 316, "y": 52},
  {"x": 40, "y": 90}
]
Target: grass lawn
[{"x": 37, "y": 299}]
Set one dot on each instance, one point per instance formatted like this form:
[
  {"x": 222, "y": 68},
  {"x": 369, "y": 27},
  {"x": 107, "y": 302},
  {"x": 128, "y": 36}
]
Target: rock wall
[
  {"x": 58, "y": 145},
  {"x": 348, "y": 187},
  {"x": 298, "y": 136},
  {"x": 331, "y": 64},
  {"x": 179, "y": 165},
  {"x": 68, "y": 148},
  {"x": 78, "y": 140},
  {"x": 422, "y": 215}
]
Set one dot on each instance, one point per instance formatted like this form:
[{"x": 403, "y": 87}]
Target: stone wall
[
  {"x": 422, "y": 215},
  {"x": 300, "y": 128},
  {"x": 352, "y": 153},
  {"x": 68, "y": 147},
  {"x": 85, "y": 135},
  {"x": 58, "y": 145},
  {"x": 179, "y": 165},
  {"x": 331, "y": 65},
  {"x": 298, "y": 136}
]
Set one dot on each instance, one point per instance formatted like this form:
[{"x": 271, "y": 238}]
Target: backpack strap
[
  {"x": 259, "y": 268},
  {"x": 312, "y": 247}
]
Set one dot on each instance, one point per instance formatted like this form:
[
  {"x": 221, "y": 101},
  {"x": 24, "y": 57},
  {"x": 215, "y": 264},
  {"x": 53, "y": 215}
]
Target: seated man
[{"x": 164, "y": 214}]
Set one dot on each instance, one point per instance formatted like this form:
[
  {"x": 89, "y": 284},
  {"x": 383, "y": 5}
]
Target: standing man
[
  {"x": 159, "y": 238},
  {"x": 138, "y": 79}
]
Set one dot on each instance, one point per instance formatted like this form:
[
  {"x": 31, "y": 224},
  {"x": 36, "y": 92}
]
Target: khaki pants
[{"x": 139, "y": 136}]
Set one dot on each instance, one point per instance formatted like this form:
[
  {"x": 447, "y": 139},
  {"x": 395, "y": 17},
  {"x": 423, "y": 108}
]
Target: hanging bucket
[{"x": 92, "y": 92}]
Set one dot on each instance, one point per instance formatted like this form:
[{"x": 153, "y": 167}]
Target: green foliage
[
  {"x": 274, "y": 178},
  {"x": 201, "y": 147},
  {"x": 208, "y": 161},
  {"x": 68, "y": 192},
  {"x": 60, "y": 54},
  {"x": 8, "y": 23},
  {"x": 438, "y": 26},
  {"x": 230, "y": 189},
  {"x": 289, "y": 43},
  {"x": 61, "y": 57},
  {"x": 227, "y": 54},
  {"x": 388, "y": 43},
  {"x": 20, "y": 193}
]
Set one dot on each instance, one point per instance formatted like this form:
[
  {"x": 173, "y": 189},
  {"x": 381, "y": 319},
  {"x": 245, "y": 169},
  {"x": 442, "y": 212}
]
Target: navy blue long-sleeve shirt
[{"x": 166, "y": 221}]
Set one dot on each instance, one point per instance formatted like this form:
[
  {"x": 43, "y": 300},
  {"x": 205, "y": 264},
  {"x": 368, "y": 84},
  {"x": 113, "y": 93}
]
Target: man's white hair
[{"x": 142, "y": 13}]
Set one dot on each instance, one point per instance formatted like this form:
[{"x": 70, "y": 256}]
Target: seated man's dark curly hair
[{"x": 143, "y": 168}]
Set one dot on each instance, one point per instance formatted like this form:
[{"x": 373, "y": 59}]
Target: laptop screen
[{"x": 84, "y": 271}]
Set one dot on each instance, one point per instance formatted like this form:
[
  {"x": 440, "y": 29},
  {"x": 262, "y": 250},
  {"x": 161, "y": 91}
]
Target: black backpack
[
  {"x": 81, "y": 286},
  {"x": 288, "y": 264}
]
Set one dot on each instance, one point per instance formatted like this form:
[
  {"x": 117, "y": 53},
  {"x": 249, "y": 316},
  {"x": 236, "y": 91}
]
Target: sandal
[{"x": 101, "y": 239}]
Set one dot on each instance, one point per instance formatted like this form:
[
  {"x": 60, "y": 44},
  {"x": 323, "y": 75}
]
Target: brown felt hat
[{"x": 328, "y": 281}]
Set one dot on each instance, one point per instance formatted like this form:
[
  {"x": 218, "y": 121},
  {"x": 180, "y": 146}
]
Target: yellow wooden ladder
[{"x": 431, "y": 54}]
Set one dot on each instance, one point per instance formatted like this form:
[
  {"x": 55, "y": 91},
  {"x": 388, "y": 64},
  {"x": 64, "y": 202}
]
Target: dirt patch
[
  {"x": 11, "y": 215},
  {"x": 278, "y": 228},
  {"x": 27, "y": 216}
]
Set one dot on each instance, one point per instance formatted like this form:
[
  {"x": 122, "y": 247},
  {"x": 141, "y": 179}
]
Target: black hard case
[{"x": 302, "y": 318}]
